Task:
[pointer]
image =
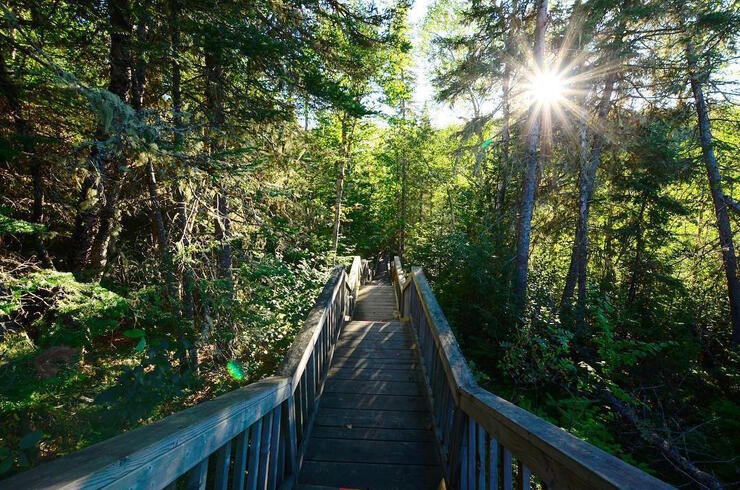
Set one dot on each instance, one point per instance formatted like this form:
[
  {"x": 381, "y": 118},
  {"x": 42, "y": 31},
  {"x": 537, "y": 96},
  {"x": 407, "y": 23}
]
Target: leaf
[
  {"x": 5, "y": 465},
  {"x": 134, "y": 333},
  {"x": 141, "y": 345},
  {"x": 31, "y": 439}
]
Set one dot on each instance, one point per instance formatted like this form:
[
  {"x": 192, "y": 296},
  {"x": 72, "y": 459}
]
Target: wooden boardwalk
[
  {"x": 373, "y": 426},
  {"x": 351, "y": 407}
]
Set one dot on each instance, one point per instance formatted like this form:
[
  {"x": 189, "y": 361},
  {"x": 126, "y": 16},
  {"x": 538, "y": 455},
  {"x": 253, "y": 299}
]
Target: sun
[{"x": 547, "y": 88}]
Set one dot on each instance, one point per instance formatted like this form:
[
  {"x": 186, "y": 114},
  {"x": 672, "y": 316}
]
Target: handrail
[
  {"x": 484, "y": 440},
  {"x": 267, "y": 422}
]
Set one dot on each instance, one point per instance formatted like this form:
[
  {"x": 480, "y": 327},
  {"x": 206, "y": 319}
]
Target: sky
[{"x": 441, "y": 115}]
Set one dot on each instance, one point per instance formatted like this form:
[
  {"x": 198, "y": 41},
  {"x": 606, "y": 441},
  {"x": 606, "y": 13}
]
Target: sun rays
[{"x": 564, "y": 91}]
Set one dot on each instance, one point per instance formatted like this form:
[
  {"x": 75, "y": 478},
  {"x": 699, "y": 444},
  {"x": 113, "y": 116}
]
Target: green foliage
[
  {"x": 79, "y": 312},
  {"x": 13, "y": 226}
]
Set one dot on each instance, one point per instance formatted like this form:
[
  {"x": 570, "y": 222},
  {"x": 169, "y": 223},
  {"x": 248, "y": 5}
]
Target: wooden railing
[
  {"x": 253, "y": 437},
  {"x": 484, "y": 441}
]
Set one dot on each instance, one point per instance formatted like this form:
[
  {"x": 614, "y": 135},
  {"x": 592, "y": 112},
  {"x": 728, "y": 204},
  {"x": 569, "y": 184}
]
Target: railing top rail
[
  {"x": 154, "y": 455},
  {"x": 561, "y": 459}
]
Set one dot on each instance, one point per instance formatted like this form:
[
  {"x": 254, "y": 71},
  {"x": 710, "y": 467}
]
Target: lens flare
[
  {"x": 547, "y": 88},
  {"x": 235, "y": 370}
]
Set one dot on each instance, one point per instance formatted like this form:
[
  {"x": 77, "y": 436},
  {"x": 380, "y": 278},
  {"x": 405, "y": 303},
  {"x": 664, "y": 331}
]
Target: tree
[
  {"x": 696, "y": 78},
  {"x": 526, "y": 206}
]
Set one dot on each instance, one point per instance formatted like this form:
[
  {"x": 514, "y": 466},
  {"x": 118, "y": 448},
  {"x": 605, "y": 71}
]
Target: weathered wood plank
[
  {"x": 358, "y": 353},
  {"x": 362, "y": 434},
  {"x": 374, "y": 402},
  {"x": 507, "y": 469},
  {"x": 373, "y": 387},
  {"x": 367, "y": 475},
  {"x": 400, "y": 336},
  {"x": 254, "y": 455},
  {"x": 223, "y": 461},
  {"x": 197, "y": 476},
  {"x": 493, "y": 463},
  {"x": 264, "y": 456},
  {"x": 377, "y": 374},
  {"x": 354, "y": 451},
  {"x": 370, "y": 343},
  {"x": 373, "y": 363},
  {"x": 240, "y": 460},
  {"x": 292, "y": 462},
  {"x": 275, "y": 442},
  {"x": 376, "y": 327},
  {"x": 385, "y": 419}
]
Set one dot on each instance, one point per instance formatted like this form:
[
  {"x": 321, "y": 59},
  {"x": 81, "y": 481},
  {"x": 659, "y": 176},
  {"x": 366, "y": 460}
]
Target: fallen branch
[{"x": 705, "y": 480}]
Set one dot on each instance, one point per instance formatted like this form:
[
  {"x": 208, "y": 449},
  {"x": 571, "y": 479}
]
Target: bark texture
[
  {"x": 97, "y": 206},
  {"x": 718, "y": 198},
  {"x": 529, "y": 186}
]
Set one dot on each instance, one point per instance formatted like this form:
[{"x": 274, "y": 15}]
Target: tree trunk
[
  {"x": 138, "y": 86},
  {"x": 180, "y": 221},
  {"x": 718, "y": 198},
  {"x": 577, "y": 272},
  {"x": 581, "y": 243},
  {"x": 530, "y": 178},
  {"x": 97, "y": 213},
  {"x": 11, "y": 91},
  {"x": 341, "y": 168},
  {"x": 639, "y": 248},
  {"x": 404, "y": 185},
  {"x": 216, "y": 116},
  {"x": 505, "y": 166}
]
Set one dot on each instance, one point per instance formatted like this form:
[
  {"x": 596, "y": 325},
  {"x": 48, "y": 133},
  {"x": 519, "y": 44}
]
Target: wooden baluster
[
  {"x": 264, "y": 452},
  {"x": 311, "y": 384},
  {"x": 197, "y": 476},
  {"x": 471, "y": 452},
  {"x": 297, "y": 411},
  {"x": 464, "y": 475},
  {"x": 254, "y": 455},
  {"x": 281, "y": 451},
  {"x": 508, "y": 477},
  {"x": 240, "y": 460},
  {"x": 304, "y": 403},
  {"x": 526, "y": 476},
  {"x": 320, "y": 358},
  {"x": 493, "y": 461},
  {"x": 480, "y": 466},
  {"x": 444, "y": 430},
  {"x": 223, "y": 461},
  {"x": 456, "y": 444},
  {"x": 324, "y": 347},
  {"x": 292, "y": 468},
  {"x": 438, "y": 392},
  {"x": 274, "y": 447}
]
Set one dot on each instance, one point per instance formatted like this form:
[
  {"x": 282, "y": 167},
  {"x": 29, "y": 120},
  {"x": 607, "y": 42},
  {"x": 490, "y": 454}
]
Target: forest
[{"x": 179, "y": 177}]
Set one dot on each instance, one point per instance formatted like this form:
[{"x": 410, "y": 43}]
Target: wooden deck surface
[{"x": 373, "y": 427}]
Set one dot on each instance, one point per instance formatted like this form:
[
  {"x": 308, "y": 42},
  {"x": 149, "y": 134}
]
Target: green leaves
[
  {"x": 13, "y": 226},
  {"x": 30, "y": 440},
  {"x": 6, "y": 460}
]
